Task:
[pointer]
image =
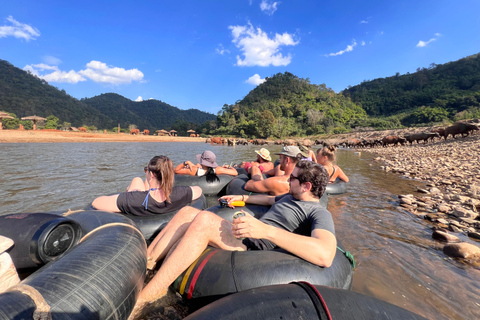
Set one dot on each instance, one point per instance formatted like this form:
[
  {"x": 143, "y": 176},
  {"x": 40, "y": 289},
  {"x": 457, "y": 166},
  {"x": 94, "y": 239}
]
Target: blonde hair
[
  {"x": 162, "y": 168},
  {"x": 327, "y": 151}
]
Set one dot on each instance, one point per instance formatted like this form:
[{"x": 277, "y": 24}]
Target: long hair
[
  {"x": 211, "y": 176},
  {"x": 162, "y": 168},
  {"x": 328, "y": 151}
]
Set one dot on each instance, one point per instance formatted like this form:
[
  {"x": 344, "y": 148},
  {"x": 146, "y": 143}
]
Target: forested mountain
[
  {"x": 24, "y": 94},
  {"x": 447, "y": 91},
  {"x": 146, "y": 114},
  {"x": 285, "y": 105}
]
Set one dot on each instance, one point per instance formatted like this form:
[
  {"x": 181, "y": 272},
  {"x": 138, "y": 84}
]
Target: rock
[
  {"x": 464, "y": 213},
  {"x": 468, "y": 221},
  {"x": 454, "y": 228},
  {"x": 432, "y": 217},
  {"x": 406, "y": 200},
  {"x": 443, "y": 208},
  {"x": 423, "y": 190},
  {"x": 462, "y": 250},
  {"x": 444, "y": 236},
  {"x": 441, "y": 220},
  {"x": 434, "y": 190},
  {"x": 475, "y": 235}
]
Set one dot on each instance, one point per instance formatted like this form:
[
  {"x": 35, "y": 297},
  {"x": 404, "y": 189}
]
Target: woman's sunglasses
[{"x": 145, "y": 169}]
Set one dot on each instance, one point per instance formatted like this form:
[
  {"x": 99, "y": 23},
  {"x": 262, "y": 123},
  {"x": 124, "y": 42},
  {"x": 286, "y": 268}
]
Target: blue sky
[{"x": 204, "y": 54}]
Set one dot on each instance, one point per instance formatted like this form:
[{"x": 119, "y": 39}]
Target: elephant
[
  {"x": 193, "y": 135},
  {"x": 82, "y": 129},
  {"x": 421, "y": 136},
  {"x": 217, "y": 140},
  {"x": 393, "y": 140},
  {"x": 305, "y": 142},
  {"x": 462, "y": 128},
  {"x": 134, "y": 131},
  {"x": 289, "y": 142},
  {"x": 260, "y": 142},
  {"x": 146, "y": 132}
]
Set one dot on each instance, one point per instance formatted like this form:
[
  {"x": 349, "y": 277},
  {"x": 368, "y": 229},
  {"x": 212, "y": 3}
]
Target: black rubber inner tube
[
  {"x": 99, "y": 278},
  {"x": 288, "y": 301}
]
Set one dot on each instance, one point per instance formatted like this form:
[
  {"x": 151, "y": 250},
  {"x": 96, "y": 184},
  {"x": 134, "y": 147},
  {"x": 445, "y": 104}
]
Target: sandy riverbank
[{"x": 40, "y": 136}]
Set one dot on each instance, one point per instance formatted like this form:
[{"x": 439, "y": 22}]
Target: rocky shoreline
[{"x": 451, "y": 198}]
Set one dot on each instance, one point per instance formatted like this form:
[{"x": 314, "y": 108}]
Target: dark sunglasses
[
  {"x": 145, "y": 169},
  {"x": 297, "y": 178}
]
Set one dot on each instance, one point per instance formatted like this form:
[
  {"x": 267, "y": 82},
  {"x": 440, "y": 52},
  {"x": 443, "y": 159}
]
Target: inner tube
[
  {"x": 44, "y": 237},
  {"x": 216, "y": 188},
  {"x": 217, "y": 272},
  {"x": 301, "y": 300},
  {"x": 338, "y": 187},
  {"x": 98, "y": 278},
  {"x": 150, "y": 226},
  {"x": 237, "y": 187}
]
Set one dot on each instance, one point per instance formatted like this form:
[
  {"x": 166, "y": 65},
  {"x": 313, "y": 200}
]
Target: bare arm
[
  {"x": 256, "y": 174},
  {"x": 106, "y": 203},
  {"x": 341, "y": 174},
  {"x": 186, "y": 168},
  {"x": 260, "y": 199},
  {"x": 226, "y": 170},
  {"x": 273, "y": 185},
  {"x": 319, "y": 248}
]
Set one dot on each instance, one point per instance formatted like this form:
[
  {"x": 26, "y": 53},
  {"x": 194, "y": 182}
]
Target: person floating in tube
[
  {"x": 155, "y": 195},
  {"x": 206, "y": 166},
  {"x": 296, "y": 222}
]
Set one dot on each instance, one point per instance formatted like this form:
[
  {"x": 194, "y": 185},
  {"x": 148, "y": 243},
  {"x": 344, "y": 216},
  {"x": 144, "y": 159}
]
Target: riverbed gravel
[{"x": 450, "y": 197}]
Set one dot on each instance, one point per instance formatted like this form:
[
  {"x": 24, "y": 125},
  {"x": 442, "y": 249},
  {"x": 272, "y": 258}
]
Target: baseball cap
[{"x": 290, "y": 151}]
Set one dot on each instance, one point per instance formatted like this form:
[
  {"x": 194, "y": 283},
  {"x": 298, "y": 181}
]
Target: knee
[{"x": 203, "y": 220}]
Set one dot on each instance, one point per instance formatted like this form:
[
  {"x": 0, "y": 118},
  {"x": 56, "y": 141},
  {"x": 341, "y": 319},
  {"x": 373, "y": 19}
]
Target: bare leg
[
  {"x": 137, "y": 184},
  {"x": 174, "y": 230},
  {"x": 206, "y": 229}
]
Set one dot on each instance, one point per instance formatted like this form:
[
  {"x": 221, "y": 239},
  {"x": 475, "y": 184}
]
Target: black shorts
[{"x": 258, "y": 244}]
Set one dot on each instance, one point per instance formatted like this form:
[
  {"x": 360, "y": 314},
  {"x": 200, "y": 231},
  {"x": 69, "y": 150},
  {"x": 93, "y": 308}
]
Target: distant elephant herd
[
  {"x": 463, "y": 128},
  {"x": 258, "y": 142}
]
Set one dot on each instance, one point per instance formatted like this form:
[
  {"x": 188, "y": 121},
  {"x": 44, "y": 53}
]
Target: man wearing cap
[
  {"x": 296, "y": 222},
  {"x": 289, "y": 156}
]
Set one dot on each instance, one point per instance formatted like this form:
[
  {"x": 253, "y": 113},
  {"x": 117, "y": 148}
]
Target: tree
[{"x": 51, "y": 122}]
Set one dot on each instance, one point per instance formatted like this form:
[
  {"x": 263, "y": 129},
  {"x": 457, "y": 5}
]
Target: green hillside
[
  {"x": 285, "y": 105},
  {"x": 449, "y": 91},
  {"x": 23, "y": 94}
]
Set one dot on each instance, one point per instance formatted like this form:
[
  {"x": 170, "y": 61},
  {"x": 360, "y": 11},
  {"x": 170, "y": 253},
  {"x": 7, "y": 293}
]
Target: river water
[{"x": 397, "y": 261}]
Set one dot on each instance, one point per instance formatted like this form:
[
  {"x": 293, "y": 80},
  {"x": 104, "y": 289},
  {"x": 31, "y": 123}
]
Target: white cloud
[
  {"x": 99, "y": 72},
  {"x": 268, "y": 8},
  {"x": 365, "y": 21},
  {"x": 362, "y": 43},
  {"x": 255, "y": 80},
  {"x": 422, "y": 44},
  {"x": 96, "y": 71},
  {"x": 258, "y": 49},
  {"x": 348, "y": 49},
  {"x": 18, "y": 30},
  {"x": 139, "y": 99},
  {"x": 56, "y": 76},
  {"x": 221, "y": 50}
]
